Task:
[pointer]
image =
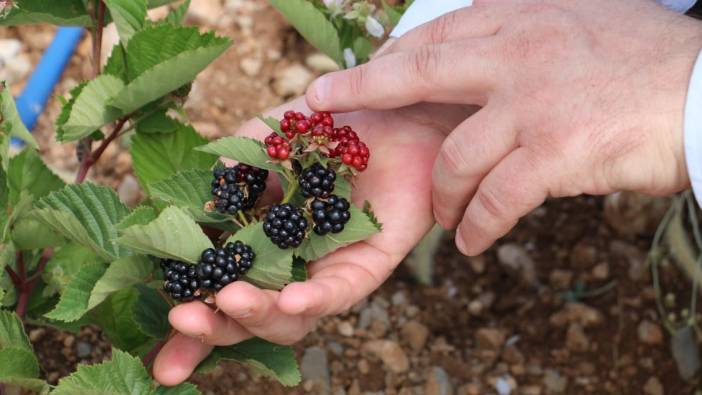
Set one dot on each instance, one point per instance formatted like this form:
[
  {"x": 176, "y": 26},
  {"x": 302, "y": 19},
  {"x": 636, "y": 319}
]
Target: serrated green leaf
[
  {"x": 368, "y": 210},
  {"x": 64, "y": 264},
  {"x": 163, "y": 58},
  {"x": 122, "y": 273},
  {"x": 54, "y": 12},
  {"x": 89, "y": 110},
  {"x": 116, "y": 64},
  {"x": 151, "y": 313},
  {"x": 20, "y": 367},
  {"x": 343, "y": 188},
  {"x": 129, "y": 16},
  {"x": 16, "y": 211},
  {"x": 273, "y": 124},
  {"x": 157, "y": 157},
  {"x": 4, "y": 200},
  {"x": 272, "y": 268},
  {"x": 29, "y": 234},
  {"x": 174, "y": 234},
  {"x": 74, "y": 302},
  {"x": 393, "y": 14},
  {"x": 67, "y": 104},
  {"x": 27, "y": 172},
  {"x": 242, "y": 149},
  {"x": 116, "y": 320},
  {"x": 123, "y": 375},
  {"x": 12, "y": 332},
  {"x": 10, "y": 121},
  {"x": 158, "y": 122},
  {"x": 189, "y": 189},
  {"x": 141, "y": 215},
  {"x": 299, "y": 271},
  {"x": 313, "y": 25},
  {"x": 264, "y": 357},
  {"x": 176, "y": 16},
  {"x": 359, "y": 228},
  {"x": 87, "y": 214}
]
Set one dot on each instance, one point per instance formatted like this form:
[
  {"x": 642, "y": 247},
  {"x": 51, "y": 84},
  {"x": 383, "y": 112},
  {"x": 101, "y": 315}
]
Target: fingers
[
  {"x": 178, "y": 359},
  {"x": 466, "y": 156},
  {"x": 512, "y": 189},
  {"x": 198, "y": 320},
  {"x": 257, "y": 311},
  {"x": 457, "y": 72}
]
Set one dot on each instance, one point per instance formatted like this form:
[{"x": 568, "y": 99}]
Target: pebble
[
  {"x": 554, "y": 382},
  {"x": 470, "y": 389},
  {"x": 69, "y": 341},
  {"x": 355, "y": 388},
  {"x": 477, "y": 264},
  {"x": 399, "y": 298},
  {"x": 292, "y": 80},
  {"x": 438, "y": 383},
  {"x": 83, "y": 349},
  {"x": 129, "y": 191},
  {"x": 530, "y": 390},
  {"x": 251, "y": 66},
  {"x": 9, "y": 48},
  {"x": 583, "y": 314},
  {"x": 36, "y": 334},
  {"x": 650, "y": 333},
  {"x": 490, "y": 338},
  {"x": 560, "y": 279},
  {"x": 576, "y": 339},
  {"x": 653, "y": 386},
  {"x": 601, "y": 271},
  {"x": 205, "y": 12},
  {"x": 415, "y": 334},
  {"x": 345, "y": 328},
  {"x": 315, "y": 368},
  {"x": 632, "y": 214},
  {"x": 505, "y": 385},
  {"x": 374, "y": 312},
  {"x": 321, "y": 63},
  {"x": 515, "y": 257},
  {"x": 336, "y": 348},
  {"x": 392, "y": 355}
]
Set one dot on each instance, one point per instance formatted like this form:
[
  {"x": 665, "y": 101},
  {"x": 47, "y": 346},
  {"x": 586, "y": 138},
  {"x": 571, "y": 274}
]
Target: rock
[
  {"x": 477, "y": 264},
  {"x": 336, "y": 348},
  {"x": 9, "y": 48},
  {"x": 83, "y": 349},
  {"x": 36, "y": 334},
  {"x": 632, "y": 214},
  {"x": 490, "y": 338},
  {"x": 355, "y": 388},
  {"x": 315, "y": 368},
  {"x": 560, "y": 279},
  {"x": 576, "y": 339},
  {"x": 374, "y": 312},
  {"x": 321, "y": 63},
  {"x": 686, "y": 352},
  {"x": 292, "y": 80},
  {"x": 514, "y": 257},
  {"x": 392, "y": 355},
  {"x": 505, "y": 385},
  {"x": 399, "y": 298},
  {"x": 345, "y": 328},
  {"x": 583, "y": 255},
  {"x": 650, "y": 333},
  {"x": 470, "y": 389},
  {"x": 530, "y": 390},
  {"x": 475, "y": 307},
  {"x": 205, "y": 12},
  {"x": 554, "y": 382},
  {"x": 580, "y": 313},
  {"x": 653, "y": 386},
  {"x": 251, "y": 66},
  {"x": 415, "y": 334},
  {"x": 69, "y": 340},
  {"x": 129, "y": 191},
  {"x": 438, "y": 383},
  {"x": 15, "y": 68},
  {"x": 601, "y": 271},
  {"x": 638, "y": 269}
]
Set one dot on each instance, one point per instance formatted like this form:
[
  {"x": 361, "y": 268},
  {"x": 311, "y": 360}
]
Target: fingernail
[
  {"x": 460, "y": 242},
  {"x": 321, "y": 90}
]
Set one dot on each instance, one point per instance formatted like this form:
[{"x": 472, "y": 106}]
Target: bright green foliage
[
  {"x": 129, "y": 16},
  {"x": 151, "y": 313},
  {"x": 18, "y": 365},
  {"x": 176, "y": 16},
  {"x": 189, "y": 189},
  {"x": 115, "y": 316},
  {"x": 242, "y": 149},
  {"x": 27, "y": 172},
  {"x": 56, "y": 12},
  {"x": 141, "y": 215},
  {"x": 64, "y": 264},
  {"x": 10, "y": 122},
  {"x": 75, "y": 299}
]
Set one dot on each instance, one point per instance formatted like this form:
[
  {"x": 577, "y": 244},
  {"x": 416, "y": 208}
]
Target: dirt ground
[{"x": 562, "y": 305}]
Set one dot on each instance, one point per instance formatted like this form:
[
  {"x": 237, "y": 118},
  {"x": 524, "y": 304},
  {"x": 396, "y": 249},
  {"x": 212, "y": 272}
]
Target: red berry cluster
[{"x": 318, "y": 128}]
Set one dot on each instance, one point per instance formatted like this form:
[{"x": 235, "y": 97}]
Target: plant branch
[
  {"x": 97, "y": 37},
  {"x": 20, "y": 265},
  {"x": 94, "y": 156},
  {"x": 151, "y": 355},
  {"x": 27, "y": 286},
  {"x": 15, "y": 278}
]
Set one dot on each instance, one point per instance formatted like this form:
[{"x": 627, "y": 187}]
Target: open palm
[{"x": 403, "y": 147}]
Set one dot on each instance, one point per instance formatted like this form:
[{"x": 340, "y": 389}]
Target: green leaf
[
  {"x": 54, "y": 12},
  {"x": 141, "y": 215},
  {"x": 242, "y": 149},
  {"x": 64, "y": 264},
  {"x": 393, "y": 14},
  {"x": 273, "y": 124},
  {"x": 123, "y": 375},
  {"x": 74, "y": 302},
  {"x": 343, "y": 188},
  {"x": 27, "y": 172},
  {"x": 129, "y": 16},
  {"x": 272, "y": 268},
  {"x": 362, "y": 48},
  {"x": 158, "y": 122},
  {"x": 189, "y": 189},
  {"x": 263, "y": 357},
  {"x": 368, "y": 210},
  {"x": 174, "y": 234},
  {"x": 157, "y": 157},
  {"x": 87, "y": 214},
  {"x": 151, "y": 313},
  {"x": 313, "y": 25},
  {"x": 116, "y": 320},
  {"x": 359, "y": 228},
  {"x": 164, "y": 58},
  {"x": 122, "y": 273},
  {"x": 176, "y": 16},
  {"x": 10, "y": 121},
  {"x": 299, "y": 271},
  {"x": 89, "y": 110},
  {"x": 18, "y": 365},
  {"x": 12, "y": 332},
  {"x": 29, "y": 234},
  {"x": 116, "y": 64}
]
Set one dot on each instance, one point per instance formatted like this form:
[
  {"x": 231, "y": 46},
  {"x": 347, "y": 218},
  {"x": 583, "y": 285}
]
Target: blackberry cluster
[
  {"x": 254, "y": 180},
  {"x": 228, "y": 196},
  {"x": 285, "y": 225},
  {"x": 330, "y": 215},
  {"x": 317, "y": 181},
  {"x": 182, "y": 280},
  {"x": 222, "y": 266}
]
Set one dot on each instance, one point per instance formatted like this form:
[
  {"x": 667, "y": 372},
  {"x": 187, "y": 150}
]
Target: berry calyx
[
  {"x": 228, "y": 197},
  {"x": 222, "y": 266},
  {"x": 182, "y": 282},
  {"x": 330, "y": 215},
  {"x": 285, "y": 225},
  {"x": 317, "y": 181},
  {"x": 277, "y": 147}
]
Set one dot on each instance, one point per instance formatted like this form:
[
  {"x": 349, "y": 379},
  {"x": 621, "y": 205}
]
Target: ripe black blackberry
[
  {"x": 285, "y": 225},
  {"x": 222, "y": 266},
  {"x": 228, "y": 197},
  {"x": 317, "y": 181},
  {"x": 254, "y": 181},
  {"x": 331, "y": 215},
  {"x": 182, "y": 281}
]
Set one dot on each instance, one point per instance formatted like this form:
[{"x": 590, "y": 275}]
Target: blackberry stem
[
  {"x": 243, "y": 219},
  {"x": 292, "y": 188}
]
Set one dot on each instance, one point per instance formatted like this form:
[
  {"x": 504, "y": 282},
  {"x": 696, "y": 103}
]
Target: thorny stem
[
  {"x": 27, "y": 284},
  {"x": 94, "y": 156},
  {"x": 97, "y": 37},
  {"x": 15, "y": 278}
]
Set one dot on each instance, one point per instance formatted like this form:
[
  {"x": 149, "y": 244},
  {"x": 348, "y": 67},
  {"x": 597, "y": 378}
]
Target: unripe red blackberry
[
  {"x": 277, "y": 147},
  {"x": 356, "y": 154},
  {"x": 182, "y": 282},
  {"x": 285, "y": 225}
]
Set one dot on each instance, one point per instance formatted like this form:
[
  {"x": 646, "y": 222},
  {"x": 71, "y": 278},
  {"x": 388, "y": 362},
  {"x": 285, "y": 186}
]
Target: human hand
[
  {"x": 404, "y": 144},
  {"x": 577, "y": 97}
]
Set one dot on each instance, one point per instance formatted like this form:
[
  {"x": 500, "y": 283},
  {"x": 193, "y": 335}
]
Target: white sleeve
[{"x": 693, "y": 130}]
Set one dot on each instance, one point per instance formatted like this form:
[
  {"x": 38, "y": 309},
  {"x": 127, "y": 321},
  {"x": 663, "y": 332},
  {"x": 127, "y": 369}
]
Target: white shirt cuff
[
  {"x": 423, "y": 11},
  {"x": 693, "y": 130}
]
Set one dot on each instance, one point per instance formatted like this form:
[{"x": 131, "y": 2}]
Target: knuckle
[
  {"x": 424, "y": 62},
  {"x": 492, "y": 202},
  {"x": 453, "y": 156},
  {"x": 357, "y": 78},
  {"x": 440, "y": 29}
]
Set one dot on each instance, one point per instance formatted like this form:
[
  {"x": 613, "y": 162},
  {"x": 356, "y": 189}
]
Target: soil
[{"x": 516, "y": 316}]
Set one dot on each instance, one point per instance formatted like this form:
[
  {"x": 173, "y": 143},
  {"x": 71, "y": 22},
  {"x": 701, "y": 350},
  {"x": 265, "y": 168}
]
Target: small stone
[
  {"x": 251, "y": 66},
  {"x": 315, "y": 368},
  {"x": 583, "y": 255},
  {"x": 650, "y": 333},
  {"x": 475, "y": 307},
  {"x": 515, "y": 258},
  {"x": 345, "y": 328},
  {"x": 363, "y": 366},
  {"x": 530, "y": 390},
  {"x": 69, "y": 341},
  {"x": 601, "y": 271},
  {"x": 470, "y": 389},
  {"x": 490, "y": 338},
  {"x": 477, "y": 264},
  {"x": 205, "y": 12},
  {"x": 505, "y": 385},
  {"x": 321, "y": 63},
  {"x": 399, "y": 298},
  {"x": 560, "y": 279},
  {"x": 83, "y": 349},
  {"x": 374, "y": 312},
  {"x": 9, "y": 48},
  {"x": 632, "y": 214},
  {"x": 292, "y": 80},
  {"x": 336, "y": 348},
  {"x": 576, "y": 339},
  {"x": 392, "y": 355},
  {"x": 355, "y": 388},
  {"x": 36, "y": 334},
  {"x": 438, "y": 383},
  {"x": 129, "y": 191},
  {"x": 415, "y": 334},
  {"x": 653, "y": 386},
  {"x": 583, "y": 314},
  {"x": 554, "y": 382}
]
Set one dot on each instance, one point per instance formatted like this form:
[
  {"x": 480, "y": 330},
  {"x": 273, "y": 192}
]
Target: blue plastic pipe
[{"x": 41, "y": 83}]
